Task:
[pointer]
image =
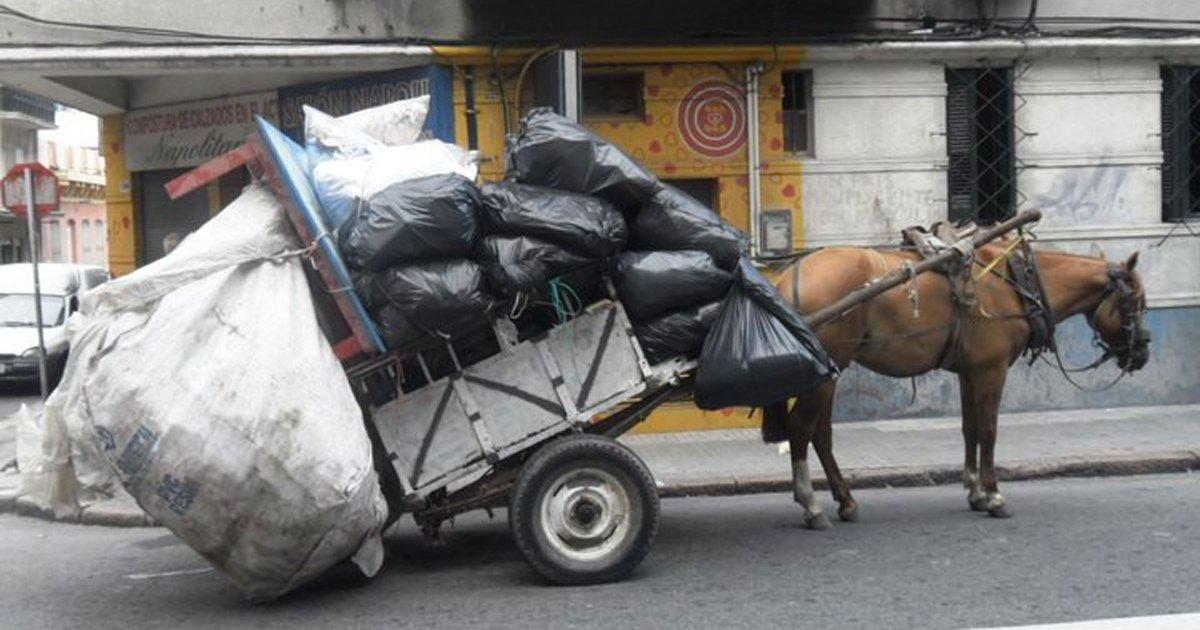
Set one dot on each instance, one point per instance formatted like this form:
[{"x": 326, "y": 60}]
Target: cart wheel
[{"x": 584, "y": 510}]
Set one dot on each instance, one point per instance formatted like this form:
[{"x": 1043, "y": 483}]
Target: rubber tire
[{"x": 548, "y": 463}]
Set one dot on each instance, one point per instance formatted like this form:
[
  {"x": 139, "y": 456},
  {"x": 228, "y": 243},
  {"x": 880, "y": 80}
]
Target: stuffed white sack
[{"x": 206, "y": 382}]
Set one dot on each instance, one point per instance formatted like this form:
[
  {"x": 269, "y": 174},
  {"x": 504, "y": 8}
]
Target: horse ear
[{"x": 1131, "y": 262}]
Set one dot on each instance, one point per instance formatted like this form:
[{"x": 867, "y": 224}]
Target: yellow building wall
[
  {"x": 657, "y": 141},
  {"x": 118, "y": 198}
]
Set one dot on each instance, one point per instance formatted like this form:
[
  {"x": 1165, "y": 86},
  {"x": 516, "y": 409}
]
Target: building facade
[
  {"x": 857, "y": 143},
  {"x": 835, "y": 124},
  {"x": 78, "y": 231}
]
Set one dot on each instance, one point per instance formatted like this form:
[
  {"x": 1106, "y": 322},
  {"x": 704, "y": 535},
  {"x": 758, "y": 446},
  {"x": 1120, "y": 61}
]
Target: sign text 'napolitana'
[{"x": 179, "y": 136}]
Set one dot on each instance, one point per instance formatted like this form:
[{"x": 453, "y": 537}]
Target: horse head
[{"x": 1118, "y": 318}]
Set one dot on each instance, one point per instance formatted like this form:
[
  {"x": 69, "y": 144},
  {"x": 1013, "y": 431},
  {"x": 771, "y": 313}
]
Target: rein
[{"x": 1119, "y": 284}]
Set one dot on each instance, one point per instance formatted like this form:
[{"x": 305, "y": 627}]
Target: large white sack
[
  {"x": 208, "y": 386},
  {"x": 342, "y": 183}
]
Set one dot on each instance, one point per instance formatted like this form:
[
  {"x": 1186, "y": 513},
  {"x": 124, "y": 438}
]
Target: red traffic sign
[{"x": 46, "y": 193}]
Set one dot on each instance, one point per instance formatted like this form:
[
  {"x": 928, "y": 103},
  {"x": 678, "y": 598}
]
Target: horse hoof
[
  {"x": 818, "y": 522},
  {"x": 999, "y": 511},
  {"x": 978, "y": 503},
  {"x": 848, "y": 514}
]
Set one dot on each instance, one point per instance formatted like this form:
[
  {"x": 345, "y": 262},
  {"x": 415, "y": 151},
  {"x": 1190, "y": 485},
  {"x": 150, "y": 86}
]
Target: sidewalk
[
  {"x": 914, "y": 452},
  {"x": 926, "y": 451}
]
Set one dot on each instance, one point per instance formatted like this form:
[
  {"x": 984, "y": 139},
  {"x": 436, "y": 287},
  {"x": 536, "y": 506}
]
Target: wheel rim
[{"x": 585, "y": 514}]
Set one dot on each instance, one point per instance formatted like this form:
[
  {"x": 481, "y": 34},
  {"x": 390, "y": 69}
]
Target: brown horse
[{"x": 889, "y": 336}]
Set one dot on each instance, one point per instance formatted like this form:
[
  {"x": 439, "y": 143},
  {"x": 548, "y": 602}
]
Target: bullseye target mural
[{"x": 712, "y": 118}]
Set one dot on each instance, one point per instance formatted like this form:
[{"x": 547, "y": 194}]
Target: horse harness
[
  {"x": 1025, "y": 278},
  {"x": 1120, "y": 283}
]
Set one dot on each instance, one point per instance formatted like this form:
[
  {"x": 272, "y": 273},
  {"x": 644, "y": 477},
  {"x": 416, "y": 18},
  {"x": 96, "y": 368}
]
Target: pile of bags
[
  {"x": 685, "y": 281},
  {"x": 435, "y": 257}
]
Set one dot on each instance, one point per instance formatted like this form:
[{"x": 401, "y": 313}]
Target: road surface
[{"x": 1077, "y": 549}]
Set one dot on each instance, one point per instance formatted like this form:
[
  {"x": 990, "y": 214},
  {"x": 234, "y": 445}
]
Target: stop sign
[{"x": 45, "y": 189}]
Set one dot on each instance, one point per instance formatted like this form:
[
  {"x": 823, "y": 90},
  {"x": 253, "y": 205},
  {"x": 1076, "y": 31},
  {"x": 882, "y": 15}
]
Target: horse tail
[{"x": 774, "y": 422}]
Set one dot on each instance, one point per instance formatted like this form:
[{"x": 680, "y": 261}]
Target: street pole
[{"x": 31, "y": 213}]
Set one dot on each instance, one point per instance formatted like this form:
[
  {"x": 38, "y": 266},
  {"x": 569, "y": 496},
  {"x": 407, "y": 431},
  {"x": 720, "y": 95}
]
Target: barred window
[
  {"x": 797, "y": 109},
  {"x": 980, "y": 141},
  {"x": 613, "y": 95},
  {"x": 1181, "y": 142}
]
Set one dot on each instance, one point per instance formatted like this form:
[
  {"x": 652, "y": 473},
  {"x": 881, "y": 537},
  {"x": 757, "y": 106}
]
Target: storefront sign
[
  {"x": 177, "y": 136},
  {"x": 344, "y": 96},
  {"x": 712, "y": 118}
]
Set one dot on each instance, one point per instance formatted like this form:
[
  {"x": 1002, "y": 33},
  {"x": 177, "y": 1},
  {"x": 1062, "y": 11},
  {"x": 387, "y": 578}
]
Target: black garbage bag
[
  {"x": 426, "y": 218},
  {"x": 396, "y": 329},
  {"x": 519, "y": 263},
  {"x": 585, "y": 224},
  {"x": 655, "y": 283},
  {"x": 553, "y": 151},
  {"x": 758, "y": 351},
  {"x": 678, "y": 334},
  {"x": 673, "y": 219},
  {"x": 435, "y": 295}
]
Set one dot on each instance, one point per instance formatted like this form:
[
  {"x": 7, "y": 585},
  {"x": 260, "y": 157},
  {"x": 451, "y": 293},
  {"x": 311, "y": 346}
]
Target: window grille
[
  {"x": 611, "y": 95},
  {"x": 980, "y": 143},
  {"x": 1181, "y": 142}
]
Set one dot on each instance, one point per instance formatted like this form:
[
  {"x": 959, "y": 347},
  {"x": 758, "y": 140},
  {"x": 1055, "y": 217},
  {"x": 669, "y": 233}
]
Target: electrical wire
[
  {"x": 525, "y": 68},
  {"x": 1029, "y": 25}
]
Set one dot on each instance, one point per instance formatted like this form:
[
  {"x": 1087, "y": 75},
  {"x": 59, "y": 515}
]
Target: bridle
[{"x": 1131, "y": 308}]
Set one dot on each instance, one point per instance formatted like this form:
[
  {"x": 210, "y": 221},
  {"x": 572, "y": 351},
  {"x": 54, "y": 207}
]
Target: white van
[{"x": 61, "y": 285}]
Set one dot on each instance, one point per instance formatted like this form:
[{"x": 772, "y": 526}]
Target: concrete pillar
[{"x": 118, "y": 197}]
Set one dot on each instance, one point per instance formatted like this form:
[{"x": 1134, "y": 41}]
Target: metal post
[
  {"x": 31, "y": 214},
  {"x": 754, "y": 156}
]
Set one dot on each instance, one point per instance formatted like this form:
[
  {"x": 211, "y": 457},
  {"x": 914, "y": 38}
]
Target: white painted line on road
[
  {"x": 147, "y": 576},
  {"x": 1186, "y": 621}
]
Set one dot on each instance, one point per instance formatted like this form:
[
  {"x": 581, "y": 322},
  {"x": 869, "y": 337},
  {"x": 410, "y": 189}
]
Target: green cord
[{"x": 560, "y": 300}]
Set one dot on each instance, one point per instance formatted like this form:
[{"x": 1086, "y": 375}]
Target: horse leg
[
  {"x": 987, "y": 387},
  {"x": 800, "y": 431},
  {"x": 976, "y": 497},
  {"x": 823, "y": 445}
]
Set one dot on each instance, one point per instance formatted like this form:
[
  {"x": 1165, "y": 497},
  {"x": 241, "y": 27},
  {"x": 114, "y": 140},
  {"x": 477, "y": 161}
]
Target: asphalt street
[{"x": 1076, "y": 549}]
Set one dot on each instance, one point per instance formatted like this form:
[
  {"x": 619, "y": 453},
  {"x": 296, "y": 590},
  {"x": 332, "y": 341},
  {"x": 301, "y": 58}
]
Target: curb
[
  {"x": 102, "y": 515},
  {"x": 883, "y": 477},
  {"x": 913, "y": 476}
]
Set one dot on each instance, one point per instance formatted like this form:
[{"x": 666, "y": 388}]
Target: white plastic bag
[
  {"x": 207, "y": 384},
  {"x": 327, "y": 139},
  {"x": 357, "y": 133},
  {"x": 341, "y": 183},
  {"x": 393, "y": 124}
]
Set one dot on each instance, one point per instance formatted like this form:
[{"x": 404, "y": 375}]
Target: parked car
[{"x": 61, "y": 286}]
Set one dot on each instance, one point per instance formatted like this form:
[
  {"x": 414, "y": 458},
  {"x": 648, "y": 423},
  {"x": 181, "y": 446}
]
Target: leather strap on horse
[
  {"x": 1027, "y": 279},
  {"x": 958, "y": 274}
]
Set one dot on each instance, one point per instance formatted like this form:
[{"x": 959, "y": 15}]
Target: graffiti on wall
[{"x": 1084, "y": 194}]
